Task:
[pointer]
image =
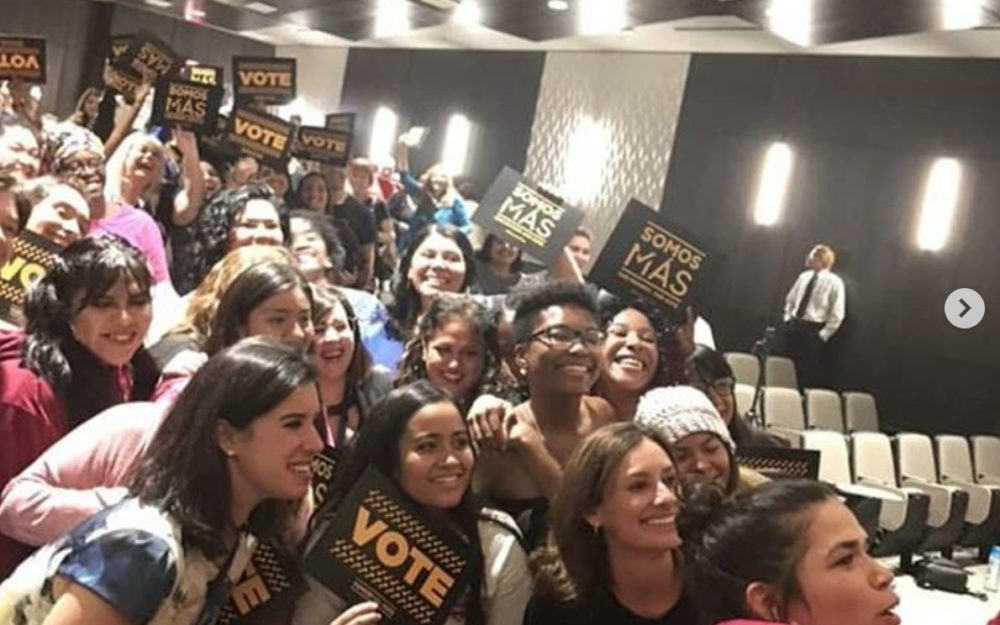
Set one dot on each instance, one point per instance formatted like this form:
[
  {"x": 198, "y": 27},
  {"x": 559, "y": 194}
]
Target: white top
[
  {"x": 703, "y": 334},
  {"x": 506, "y": 586},
  {"x": 827, "y": 304}
]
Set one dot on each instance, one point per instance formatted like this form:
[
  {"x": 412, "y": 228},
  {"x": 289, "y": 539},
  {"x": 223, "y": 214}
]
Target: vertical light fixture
[
  {"x": 960, "y": 14},
  {"x": 392, "y": 17},
  {"x": 383, "y": 138},
  {"x": 601, "y": 16},
  {"x": 772, "y": 188},
  {"x": 791, "y": 20},
  {"x": 467, "y": 12},
  {"x": 583, "y": 169},
  {"x": 456, "y": 144},
  {"x": 937, "y": 209}
]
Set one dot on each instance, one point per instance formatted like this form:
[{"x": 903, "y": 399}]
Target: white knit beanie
[{"x": 677, "y": 411}]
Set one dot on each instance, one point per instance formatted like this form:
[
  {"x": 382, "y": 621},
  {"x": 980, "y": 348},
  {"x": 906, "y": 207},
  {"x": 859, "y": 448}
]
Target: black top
[
  {"x": 359, "y": 217},
  {"x": 544, "y": 610}
]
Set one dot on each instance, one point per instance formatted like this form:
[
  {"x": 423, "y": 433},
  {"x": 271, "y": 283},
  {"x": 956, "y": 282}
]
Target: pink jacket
[{"x": 79, "y": 475}]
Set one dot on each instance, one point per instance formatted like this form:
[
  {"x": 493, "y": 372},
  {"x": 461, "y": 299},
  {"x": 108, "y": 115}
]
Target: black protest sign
[
  {"x": 22, "y": 58},
  {"x": 119, "y": 45},
  {"x": 322, "y": 145},
  {"x": 324, "y": 465},
  {"x": 149, "y": 57},
  {"x": 205, "y": 74},
  {"x": 515, "y": 210},
  {"x": 263, "y": 80},
  {"x": 187, "y": 104},
  {"x": 270, "y": 579},
  {"x": 124, "y": 82},
  {"x": 380, "y": 546},
  {"x": 258, "y": 134},
  {"x": 647, "y": 256},
  {"x": 341, "y": 122},
  {"x": 31, "y": 258}
]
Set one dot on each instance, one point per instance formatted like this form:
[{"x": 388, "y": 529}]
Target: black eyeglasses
[{"x": 565, "y": 336}]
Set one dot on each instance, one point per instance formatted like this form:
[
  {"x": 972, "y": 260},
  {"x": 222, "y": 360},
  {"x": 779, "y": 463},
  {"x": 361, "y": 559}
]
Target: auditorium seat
[
  {"x": 783, "y": 413},
  {"x": 986, "y": 455},
  {"x": 982, "y": 520},
  {"x": 745, "y": 367},
  {"x": 860, "y": 414},
  {"x": 744, "y": 397},
  {"x": 780, "y": 372},
  {"x": 949, "y": 504},
  {"x": 823, "y": 410},
  {"x": 903, "y": 521}
]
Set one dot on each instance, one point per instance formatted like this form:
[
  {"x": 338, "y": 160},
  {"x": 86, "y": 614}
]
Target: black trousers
[{"x": 803, "y": 345}]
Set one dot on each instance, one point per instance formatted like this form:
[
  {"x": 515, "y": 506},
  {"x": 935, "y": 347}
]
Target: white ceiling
[{"x": 720, "y": 34}]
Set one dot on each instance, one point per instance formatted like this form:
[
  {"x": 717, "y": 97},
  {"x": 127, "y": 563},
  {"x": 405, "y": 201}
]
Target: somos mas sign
[{"x": 380, "y": 547}]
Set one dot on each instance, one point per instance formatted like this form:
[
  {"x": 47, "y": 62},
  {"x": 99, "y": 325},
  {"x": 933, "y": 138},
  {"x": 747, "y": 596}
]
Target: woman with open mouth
[
  {"x": 787, "y": 552},
  {"x": 416, "y": 436},
  {"x": 81, "y": 353},
  {"x": 230, "y": 465},
  {"x": 612, "y": 555}
]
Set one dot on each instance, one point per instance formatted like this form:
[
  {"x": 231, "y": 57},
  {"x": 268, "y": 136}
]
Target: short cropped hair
[{"x": 531, "y": 302}]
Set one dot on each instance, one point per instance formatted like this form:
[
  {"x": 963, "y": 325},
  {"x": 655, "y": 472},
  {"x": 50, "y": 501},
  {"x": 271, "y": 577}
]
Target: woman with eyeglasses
[
  {"x": 228, "y": 467},
  {"x": 558, "y": 356},
  {"x": 712, "y": 374}
]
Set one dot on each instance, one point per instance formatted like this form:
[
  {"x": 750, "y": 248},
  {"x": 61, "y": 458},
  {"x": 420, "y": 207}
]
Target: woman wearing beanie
[{"x": 704, "y": 449}]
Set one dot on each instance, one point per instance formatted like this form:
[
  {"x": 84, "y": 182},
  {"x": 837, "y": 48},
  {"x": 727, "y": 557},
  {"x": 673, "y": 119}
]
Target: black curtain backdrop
[
  {"x": 498, "y": 91},
  {"x": 864, "y": 131}
]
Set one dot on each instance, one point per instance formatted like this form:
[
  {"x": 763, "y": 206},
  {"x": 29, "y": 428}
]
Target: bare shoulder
[{"x": 599, "y": 410}]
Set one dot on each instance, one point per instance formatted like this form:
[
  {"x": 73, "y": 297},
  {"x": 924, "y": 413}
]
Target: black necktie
[{"x": 804, "y": 302}]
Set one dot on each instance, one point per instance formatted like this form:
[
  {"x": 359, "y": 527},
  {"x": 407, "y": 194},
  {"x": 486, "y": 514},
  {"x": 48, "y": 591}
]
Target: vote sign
[
  {"x": 271, "y": 579},
  {"x": 647, "y": 256},
  {"x": 380, "y": 546},
  {"x": 517, "y": 211},
  {"x": 325, "y": 146},
  {"x": 258, "y": 134},
  {"x": 22, "y": 58},
  {"x": 32, "y": 257},
  {"x": 187, "y": 104},
  {"x": 263, "y": 80},
  {"x": 148, "y": 56}
]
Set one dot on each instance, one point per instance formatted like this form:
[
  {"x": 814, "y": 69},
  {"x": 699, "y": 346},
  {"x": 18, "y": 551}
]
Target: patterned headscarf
[{"x": 68, "y": 139}]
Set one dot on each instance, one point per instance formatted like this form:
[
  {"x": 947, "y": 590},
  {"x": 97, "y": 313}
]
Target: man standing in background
[{"x": 814, "y": 309}]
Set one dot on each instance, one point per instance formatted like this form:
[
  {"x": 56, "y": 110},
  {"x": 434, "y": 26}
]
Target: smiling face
[
  {"x": 435, "y": 457},
  {"x": 286, "y": 315},
  {"x": 272, "y": 457},
  {"x": 334, "y": 343},
  {"x": 579, "y": 248},
  {"x": 455, "y": 358},
  {"x": 61, "y": 217},
  {"x": 703, "y": 457},
  {"x": 212, "y": 180},
  {"x": 144, "y": 165},
  {"x": 838, "y": 581},
  {"x": 309, "y": 249},
  {"x": 503, "y": 252},
  {"x": 114, "y": 325},
  {"x": 257, "y": 224},
  {"x": 631, "y": 353},
  {"x": 314, "y": 193},
  {"x": 437, "y": 266},
  {"x": 638, "y": 511},
  {"x": 565, "y": 369},
  {"x": 85, "y": 170},
  {"x": 19, "y": 152}
]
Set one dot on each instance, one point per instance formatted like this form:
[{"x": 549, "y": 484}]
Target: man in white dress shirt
[{"x": 814, "y": 310}]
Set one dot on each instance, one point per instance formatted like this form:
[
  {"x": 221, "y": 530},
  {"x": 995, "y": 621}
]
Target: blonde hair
[
  {"x": 450, "y": 193},
  {"x": 825, "y": 254},
  {"x": 205, "y": 300},
  {"x": 115, "y": 182}
]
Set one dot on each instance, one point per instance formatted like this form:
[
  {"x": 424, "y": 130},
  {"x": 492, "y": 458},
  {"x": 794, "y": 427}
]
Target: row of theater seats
[
  {"x": 786, "y": 409},
  {"x": 932, "y": 494},
  {"x": 778, "y": 371}
]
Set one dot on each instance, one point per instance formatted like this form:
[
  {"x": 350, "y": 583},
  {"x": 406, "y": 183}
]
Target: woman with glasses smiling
[{"x": 558, "y": 356}]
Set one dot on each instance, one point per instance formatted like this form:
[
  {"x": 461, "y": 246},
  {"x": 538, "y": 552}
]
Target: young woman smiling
[
  {"x": 227, "y": 467},
  {"x": 612, "y": 556},
  {"x": 416, "y": 436}
]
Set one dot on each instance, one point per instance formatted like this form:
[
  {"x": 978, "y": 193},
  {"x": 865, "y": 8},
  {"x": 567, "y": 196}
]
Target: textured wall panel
[{"x": 635, "y": 100}]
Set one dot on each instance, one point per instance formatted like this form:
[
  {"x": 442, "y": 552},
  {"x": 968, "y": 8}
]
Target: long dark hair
[
  {"x": 757, "y": 536},
  {"x": 377, "y": 445},
  {"x": 441, "y": 311},
  {"x": 405, "y": 308},
  {"x": 85, "y": 271},
  {"x": 324, "y": 226},
  {"x": 484, "y": 253},
  {"x": 254, "y": 285},
  {"x": 185, "y": 472},
  {"x": 573, "y": 567}
]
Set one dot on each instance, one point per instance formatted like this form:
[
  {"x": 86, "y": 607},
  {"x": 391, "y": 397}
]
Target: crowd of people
[{"x": 210, "y": 325}]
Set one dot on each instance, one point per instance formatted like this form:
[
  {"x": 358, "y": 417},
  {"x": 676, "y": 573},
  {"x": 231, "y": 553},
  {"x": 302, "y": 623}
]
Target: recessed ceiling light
[
  {"x": 160, "y": 4},
  {"x": 558, "y": 5},
  {"x": 260, "y": 7}
]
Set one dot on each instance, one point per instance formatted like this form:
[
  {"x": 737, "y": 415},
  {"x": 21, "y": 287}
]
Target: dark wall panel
[
  {"x": 498, "y": 91},
  {"x": 865, "y": 131}
]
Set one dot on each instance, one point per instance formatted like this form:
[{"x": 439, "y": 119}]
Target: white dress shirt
[{"x": 827, "y": 305}]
